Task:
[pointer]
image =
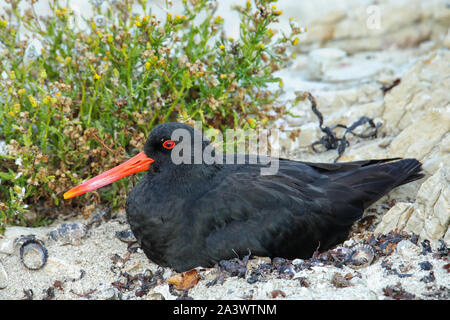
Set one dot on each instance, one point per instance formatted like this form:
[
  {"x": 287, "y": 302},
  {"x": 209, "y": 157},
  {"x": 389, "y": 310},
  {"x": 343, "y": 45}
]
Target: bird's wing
[{"x": 291, "y": 211}]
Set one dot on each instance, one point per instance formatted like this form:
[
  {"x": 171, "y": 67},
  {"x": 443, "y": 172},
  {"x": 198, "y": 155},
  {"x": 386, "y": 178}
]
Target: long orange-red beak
[{"x": 139, "y": 162}]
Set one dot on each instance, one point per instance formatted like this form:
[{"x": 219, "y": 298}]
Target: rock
[
  {"x": 429, "y": 215},
  {"x": 356, "y": 26},
  {"x": 155, "y": 296},
  {"x": 424, "y": 89},
  {"x": 320, "y": 61},
  {"x": 419, "y": 138},
  {"x": 396, "y": 217},
  {"x": 68, "y": 233},
  {"x": 108, "y": 294},
  {"x": 3, "y": 276},
  {"x": 255, "y": 262}
]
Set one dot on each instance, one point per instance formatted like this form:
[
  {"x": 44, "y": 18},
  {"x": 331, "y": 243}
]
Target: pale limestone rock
[
  {"x": 424, "y": 88},
  {"x": 356, "y": 26},
  {"x": 396, "y": 217},
  {"x": 429, "y": 216},
  {"x": 419, "y": 138}
]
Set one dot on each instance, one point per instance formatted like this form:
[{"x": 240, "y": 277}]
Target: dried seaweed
[
  {"x": 330, "y": 140},
  {"x": 388, "y": 88}
]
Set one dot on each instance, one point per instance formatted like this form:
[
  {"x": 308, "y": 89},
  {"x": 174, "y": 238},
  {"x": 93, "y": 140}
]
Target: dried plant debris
[
  {"x": 441, "y": 293},
  {"x": 140, "y": 283},
  {"x": 426, "y": 246},
  {"x": 185, "y": 280},
  {"x": 277, "y": 293},
  {"x": 235, "y": 266},
  {"x": 28, "y": 294},
  {"x": 425, "y": 265},
  {"x": 49, "y": 293},
  {"x": 96, "y": 219},
  {"x": 388, "y": 88},
  {"x": 339, "y": 281},
  {"x": 398, "y": 293},
  {"x": 429, "y": 278},
  {"x": 330, "y": 140}
]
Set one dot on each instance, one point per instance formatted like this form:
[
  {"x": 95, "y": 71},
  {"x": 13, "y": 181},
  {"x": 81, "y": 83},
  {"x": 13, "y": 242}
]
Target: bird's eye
[{"x": 169, "y": 144}]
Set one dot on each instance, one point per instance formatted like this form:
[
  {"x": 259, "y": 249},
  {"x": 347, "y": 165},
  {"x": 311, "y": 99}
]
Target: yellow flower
[
  {"x": 137, "y": 24},
  {"x": 97, "y": 77},
  {"x": 295, "y": 41},
  {"x": 147, "y": 65},
  {"x": 278, "y": 13},
  {"x": 261, "y": 46},
  {"x": 222, "y": 47},
  {"x": 68, "y": 60},
  {"x": 47, "y": 100},
  {"x": 93, "y": 25},
  {"x": 21, "y": 92},
  {"x": 3, "y": 23},
  {"x": 32, "y": 100}
]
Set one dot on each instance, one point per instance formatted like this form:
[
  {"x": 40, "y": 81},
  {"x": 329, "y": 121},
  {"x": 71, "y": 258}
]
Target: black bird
[{"x": 190, "y": 215}]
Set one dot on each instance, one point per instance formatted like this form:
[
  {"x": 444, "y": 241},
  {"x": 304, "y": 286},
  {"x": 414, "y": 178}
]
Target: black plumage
[{"x": 191, "y": 215}]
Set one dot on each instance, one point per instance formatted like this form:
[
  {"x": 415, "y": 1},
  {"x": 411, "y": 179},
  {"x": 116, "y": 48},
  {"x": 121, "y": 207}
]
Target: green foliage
[{"x": 78, "y": 105}]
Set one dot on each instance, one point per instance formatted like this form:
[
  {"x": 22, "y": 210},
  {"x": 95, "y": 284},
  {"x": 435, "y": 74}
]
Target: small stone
[
  {"x": 108, "y": 294},
  {"x": 156, "y": 296},
  {"x": 255, "y": 262},
  {"x": 126, "y": 236},
  {"x": 68, "y": 233},
  {"x": 339, "y": 281},
  {"x": 3, "y": 276}
]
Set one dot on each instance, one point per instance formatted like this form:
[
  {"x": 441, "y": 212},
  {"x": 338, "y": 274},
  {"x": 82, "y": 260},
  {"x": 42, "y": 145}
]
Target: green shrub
[{"x": 89, "y": 97}]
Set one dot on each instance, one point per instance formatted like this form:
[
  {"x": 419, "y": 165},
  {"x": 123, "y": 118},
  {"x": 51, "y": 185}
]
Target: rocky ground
[{"x": 398, "y": 75}]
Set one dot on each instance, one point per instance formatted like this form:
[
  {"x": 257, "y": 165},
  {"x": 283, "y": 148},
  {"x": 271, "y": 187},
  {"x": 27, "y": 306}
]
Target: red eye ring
[{"x": 168, "y": 144}]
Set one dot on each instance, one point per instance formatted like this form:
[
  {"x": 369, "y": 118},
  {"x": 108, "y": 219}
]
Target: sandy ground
[{"x": 97, "y": 265}]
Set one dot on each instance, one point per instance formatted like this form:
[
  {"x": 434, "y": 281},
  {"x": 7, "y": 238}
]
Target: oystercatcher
[{"x": 189, "y": 215}]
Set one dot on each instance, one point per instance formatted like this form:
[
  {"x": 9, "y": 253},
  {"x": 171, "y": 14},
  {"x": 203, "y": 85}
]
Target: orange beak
[{"x": 138, "y": 163}]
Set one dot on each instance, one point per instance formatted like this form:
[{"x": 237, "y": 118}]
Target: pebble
[
  {"x": 68, "y": 233},
  {"x": 3, "y": 276},
  {"x": 126, "y": 236},
  {"x": 109, "y": 294}
]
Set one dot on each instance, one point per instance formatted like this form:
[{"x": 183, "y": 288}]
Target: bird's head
[{"x": 168, "y": 145}]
